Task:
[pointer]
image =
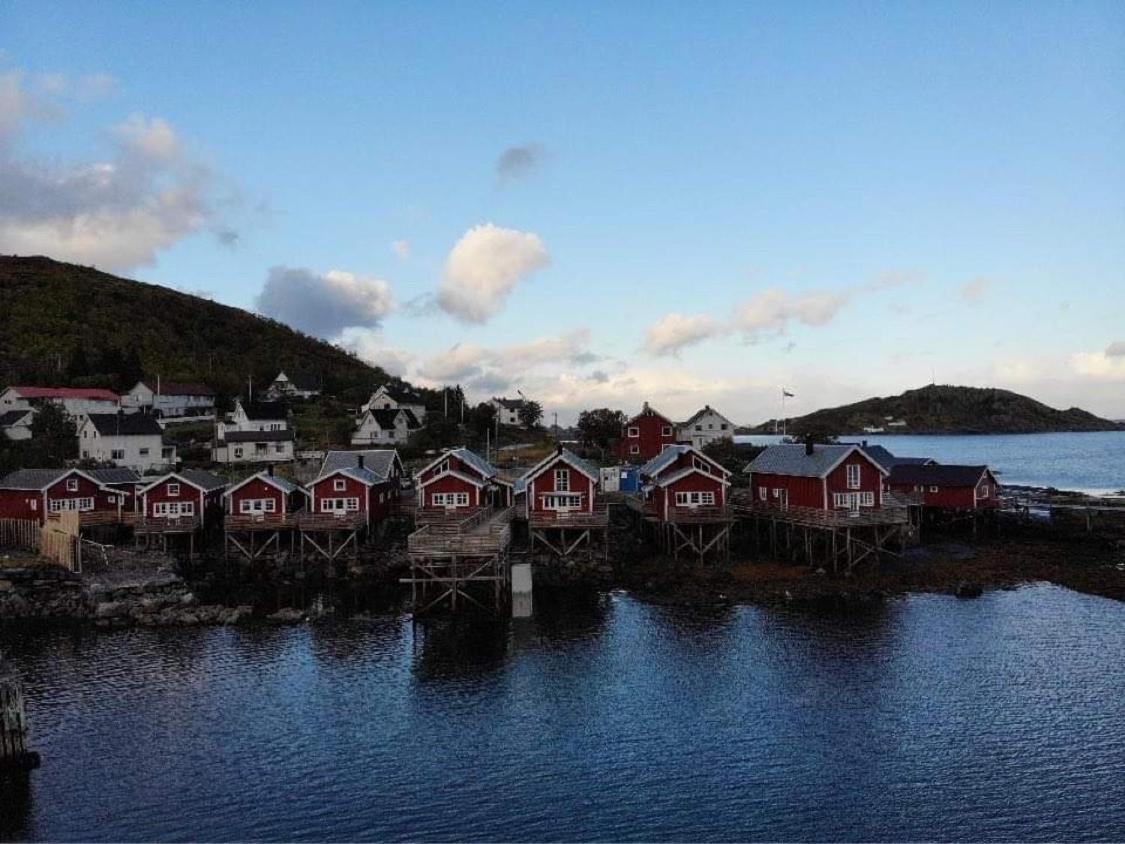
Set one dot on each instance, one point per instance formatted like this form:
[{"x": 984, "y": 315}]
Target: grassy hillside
[
  {"x": 948, "y": 410},
  {"x": 63, "y": 324}
]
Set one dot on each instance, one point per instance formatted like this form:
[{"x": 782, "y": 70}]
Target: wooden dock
[
  {"x": 567, "y": 533},
  {"x": 454, "y": 558},
  {"x": 699, "y": 532}
]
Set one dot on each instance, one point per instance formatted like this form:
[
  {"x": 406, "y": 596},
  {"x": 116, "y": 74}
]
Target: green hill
[
  {"x": 947, "y": 410},
  {"x": 67, "y": 325}
]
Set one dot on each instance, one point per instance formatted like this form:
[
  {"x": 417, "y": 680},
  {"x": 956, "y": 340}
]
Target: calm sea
[
  {"x": 1093, "y": 462},
  {"x": 996, "y": 719}
]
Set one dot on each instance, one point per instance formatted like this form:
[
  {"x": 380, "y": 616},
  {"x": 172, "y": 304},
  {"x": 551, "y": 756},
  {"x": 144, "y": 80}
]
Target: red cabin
[
  {"x": 820, "y": 477},
  {"x": 351, "y": 490},
  {"x": 264, "y": 494},
  {"x": 645, "y": 436},
  {"x": 461, "y": 480},
  {"x": 562, "y": 482},
  {"x": 682, "y": 479},
  {"x": 30, "y": 493},
  {"x": 189, "y": 493},
  {"x": 949, "y": 486}
]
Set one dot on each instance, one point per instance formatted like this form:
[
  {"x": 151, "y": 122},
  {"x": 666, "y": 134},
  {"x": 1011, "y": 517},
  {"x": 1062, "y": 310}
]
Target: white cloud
[
  {"x": 117, "y": 212},
  {"x": 1115, "y": 350},
  {"x": 483, "y": 268},
  {"x": 773, "y": 310},
  {"x": 464, "y": 360},
  {"x": 369, "y": 345},
  {"x": 673, "y": 332},
  {"x": 487, "y": 369},
  {"x": 1102, "y": 366},
  {"x": 401, "y": 248},
  {"x": 323, "y": 304}
]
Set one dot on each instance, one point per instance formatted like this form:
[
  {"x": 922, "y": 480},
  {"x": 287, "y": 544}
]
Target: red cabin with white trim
[
  {"x": 682, "y": 478},
  {"x": 645, "y": 436},
  {"x": 189, "y": 493},
  {"x": 819, "y": 477},
  {"x": 948, "y": 485},
  {"x": 264, "y": 494},
  {"x": 353, "y": 489},
  {"x": 461, "y": 480},
  {"x": 562, "y": 482},
  {"x": 31, "y": 493}
]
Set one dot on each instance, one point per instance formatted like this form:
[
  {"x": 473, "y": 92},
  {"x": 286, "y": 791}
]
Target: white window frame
[
  {"x": 695, "y": 499},
  {"x": 983, "y": 490},
  {"x": 763, "y": 493},
  {"x": 632, "y": 432},
  {"x": 855, "y": 478},
  {"x": 562, "y": 480},
  {"x": 82, "y": 505},
  {"x": 72, "y": 484},
  {"x": 339, "y": 505},
  {"x": 253, "y": 506},
  {"x": 933, "y": 489},
  {"x": 173, "y": 490},
  {"x": 450, "y": 499},
  {"x": 117, "y": 454},
  {"x": 339, "y": 485},
  {"x": 634, "y": 449},
  {"x": 666, "y": 431},
  {"x": 173, "y": 509},
  {"x": 562, "y": 502}
]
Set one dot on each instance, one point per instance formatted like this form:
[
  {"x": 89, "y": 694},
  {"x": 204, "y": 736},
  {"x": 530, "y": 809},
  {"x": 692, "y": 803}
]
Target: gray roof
[
  {"x": 204, "y": 480},
  {"x": 703, "y": 411},
  {"x": 363, "y": 475},
  {"x": 913, "y": 461},
  {"x": 884, "y": 458},
  {"x": 567, "y": 455},
  {"x": 511, "y": 404},
  {"x": 939, "y": 475},
  {"x": 379, "y": 460},
  {"x": 256, "y": 436},
  {"x": 43, "y": 478},
  {"x": 11, "y": 417},
  {"x": 791, "y": 459},
  {"x": 125, "y": 424},
  {"x": 265, "y": 409},
  {"x": 663, "y": 460},
  {"x": 478, "y": 463}
]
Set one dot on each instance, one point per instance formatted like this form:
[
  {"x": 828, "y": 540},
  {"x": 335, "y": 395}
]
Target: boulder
[
  {"x": 110, "y": 609},
  {"x": 289, "y": 615},
  {"x": 968, "y": 589}
]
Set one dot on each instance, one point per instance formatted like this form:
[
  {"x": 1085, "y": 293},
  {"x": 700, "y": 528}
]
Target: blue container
[{"x": 630, "y": 479}]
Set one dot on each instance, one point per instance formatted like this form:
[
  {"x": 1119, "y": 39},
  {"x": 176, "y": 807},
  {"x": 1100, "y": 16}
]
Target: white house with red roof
[{"x": 76, "y": 401}]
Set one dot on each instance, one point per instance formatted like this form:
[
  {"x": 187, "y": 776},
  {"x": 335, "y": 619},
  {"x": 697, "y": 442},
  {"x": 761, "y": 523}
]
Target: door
[{"x": 783, "y": 499}]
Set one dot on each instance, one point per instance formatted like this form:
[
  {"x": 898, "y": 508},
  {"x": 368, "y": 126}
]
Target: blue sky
[{"x": 603, "y": 203}]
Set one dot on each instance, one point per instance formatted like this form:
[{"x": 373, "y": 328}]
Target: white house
[
  {"x": 385, "y": 427},
  {"x": 129, "y": 440},
  {"x": 256, "y": 432},
  {"x": 16, "y": 424},
  {"x": 705, "y": 427},
  {"x": 508, "y": 411},
  {"x": 387, "y": 398},
  {"x": 169, "y": 399},
  {"x": 74, "y": 400},
  {"x": 296, "y": 386}
]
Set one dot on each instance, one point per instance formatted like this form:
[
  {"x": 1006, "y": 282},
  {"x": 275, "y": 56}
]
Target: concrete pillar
[{"x": 521, "y": 590}]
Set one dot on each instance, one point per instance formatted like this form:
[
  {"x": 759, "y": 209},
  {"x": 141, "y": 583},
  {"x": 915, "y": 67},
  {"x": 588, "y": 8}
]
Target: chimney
[
  {"x": 269, "y": 470},
  {"x": 864, "y": 443},
  {"x": 809, "y": 447},
  {"x": 359, "y": 460}
]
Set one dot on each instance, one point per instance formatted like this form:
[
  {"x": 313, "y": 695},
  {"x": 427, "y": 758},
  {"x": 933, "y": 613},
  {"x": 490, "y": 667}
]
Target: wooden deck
[
  {"x": 680, "y": 515},
  {"x": 180, "y": 524},
  {"x": 262, "y": 522},
  {"x": 598, "y": 519},
  {"x": 313, "y": 522},
  {"x": 813, "y": 517},
  {"x": 484, "y": 533}
]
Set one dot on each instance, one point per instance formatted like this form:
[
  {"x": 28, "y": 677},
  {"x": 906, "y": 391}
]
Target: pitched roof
[
  {"x": 699, "y": 414},
  {"x": 125, "y": 424},
  {"x": 510, "y": 404},
  {"x": 401, "y": 395},
  {"x": 411, "y": 420},
  {"x": 791, "y": 459},
  {"x": 11, "y": 417},
  {"x": 89, "y": 393},
  {"x": 945, "y": 474},
  {"x": 648, "y": 410},
  {"x": 880, "y": 455},
  {"x": 257, "y": 436},
  {"x": 477, "y": 463},
  {"x": 264, "y": 409},
  {"x": 195, "y": 477},
  {"x": 173, "y": 388},
  {"x": 283, "y": 484},
  {"x": 37, "y": 479},
  {"x": 561, "y": 454},
  {"x": 670, "y": 455},
  {"x": 306, "y": 381},
  {"x": 381, "y": 461},
  {"x": 385, "y": 418},
  {"x": 671, "y": 478}
]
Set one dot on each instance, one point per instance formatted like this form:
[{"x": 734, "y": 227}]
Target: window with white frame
[
  {"x": 443, "y": 467},
  {"x": 933, "y": 489},
  {"x": 80, "y": 504},
  {"x": 853, "y": 476},
  {"x": 72, "y": 484},
  {"x": 695, "y": 499},
  {"x": 117, "y": 454},
  {"x": 450, "y": 499},
  {"x": 569, "y": 501},
  {"x": 339, "y": 485},
  {"x": 763, "y": 493},
  {"x": 984, "y": 491},
  {"x": 143, "y": 452},
  {"x": 257, "y": 505},
  {"x": 238, "y": 452},
  {"x": 173, "y": 490},
  {"x": 867, "y": 499},
  {"x": 634, "y": 449},
  {"x": 173, "y": 509},
  {"x": 633, "y": 432},
  {"x": 339, "y": 505},
  {"x": 666, "y": 431},
  {"x": 562, "y": 480}
]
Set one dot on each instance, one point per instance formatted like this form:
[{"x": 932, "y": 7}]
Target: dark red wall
[
  {"x": 451, "y": 484},
  {"x": 651, "y": 439},
  {"x": 545, "y": 483},
  {"x": 258, "y": 488},
  {"x": 803, "y": 492}
]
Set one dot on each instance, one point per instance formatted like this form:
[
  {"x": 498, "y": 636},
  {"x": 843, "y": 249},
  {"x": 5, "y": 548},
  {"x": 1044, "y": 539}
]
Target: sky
[{"x": 602, "y": 204}]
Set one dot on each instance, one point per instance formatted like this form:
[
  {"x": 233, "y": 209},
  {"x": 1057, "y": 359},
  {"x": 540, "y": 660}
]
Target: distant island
[{"x": 945, "y": 410}]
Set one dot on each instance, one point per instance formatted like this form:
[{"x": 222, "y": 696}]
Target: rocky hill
[{"x": 947, "y": 410}]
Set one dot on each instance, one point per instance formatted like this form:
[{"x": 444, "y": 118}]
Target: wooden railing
[
  {"x": 330, "y": 521},
  {"x": 599, "y": 517},
  {"x": 482, "y": 533},
  {"x": 261, "y": 521},
  {"x": 176, "y": 524},
  {"x": 864, "y": 517}
]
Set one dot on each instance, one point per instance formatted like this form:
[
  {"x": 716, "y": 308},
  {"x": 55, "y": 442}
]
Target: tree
[
  {"x": 77, "y": 366},
  {"x": 481, "y": 419},
  {"x": 55, "y": 433},
  {"x": 531, "y": 414},
  {"x": 601, "y": 426}
]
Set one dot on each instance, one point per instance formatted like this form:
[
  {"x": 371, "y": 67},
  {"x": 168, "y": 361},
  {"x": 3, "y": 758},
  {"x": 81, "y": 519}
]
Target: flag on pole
[{"x": 786, "y": 393}]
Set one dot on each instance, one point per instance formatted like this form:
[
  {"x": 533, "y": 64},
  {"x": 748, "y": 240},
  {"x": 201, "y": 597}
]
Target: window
[
  {"x": 777, "y": 492},
  {"x": 339, "y": 505},
  {"x": 984, "y": 491},
  {"x": 143, "y": 452},
  {"x": 173, "y": 490},
  {"x": 634, "y": 449},
  {"x": 867, "y": 499},
  {"x": 853, "y": 476},
  {"x": 562, "y": 480},
  {"x": 633, "y": 432},
  {"x": 238, "y": 452},
  {"x": 699, "y": 427},
  {"x": 666, "y": 431},
  {"x": 117, "y": 454},
  {"x": 72, "y": 484},
  {"x": 695, "y": 499},
  {"x": 57, "y": 505},
  {"x": 443, "y": 468},
  {"x": 450, "y": 499},
  {"x": 260, "y": 448},
  {"x": 701, "y": 465},
  {"x": 570, "y": 501},
  {"x": 257, "y": 505},
  {"x": 339, "y": 485},
  {"x": 763, "y": 493},
  {"x": 723, "y": 427},
  {"x": 279, "y": 448},
  {"x": 173, "y": 509},
  {"x": 933, "y": 489}
]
